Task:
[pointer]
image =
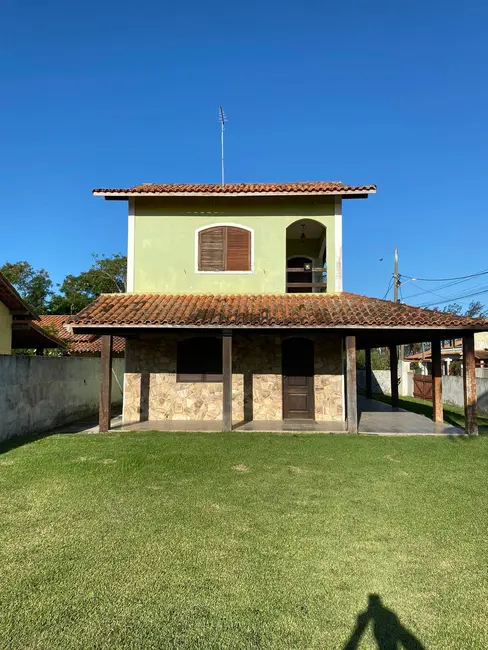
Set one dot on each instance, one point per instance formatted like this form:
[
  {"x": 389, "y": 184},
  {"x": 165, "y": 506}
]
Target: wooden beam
[
  {"x": 227, "y": 379},
  {"x": 369, "y": 372},
  {"x": 105, "y": 383},
  {"x": 394, "y": 374},
  {"x": 469, "y": 380},
  {"x": 438, "y": 412},
  {"x": 351, "y": 385}
]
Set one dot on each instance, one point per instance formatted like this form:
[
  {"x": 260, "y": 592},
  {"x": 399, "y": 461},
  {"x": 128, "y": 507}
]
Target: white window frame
[{"x": 217, "y": 225}]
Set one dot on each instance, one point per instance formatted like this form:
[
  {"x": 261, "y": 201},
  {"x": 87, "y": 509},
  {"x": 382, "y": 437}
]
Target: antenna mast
[{"x": 223, "y": 120}]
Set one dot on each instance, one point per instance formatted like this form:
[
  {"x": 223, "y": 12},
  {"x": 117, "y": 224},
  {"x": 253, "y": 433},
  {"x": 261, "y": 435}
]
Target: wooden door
[
  {"x": 298, "y": 374},
  {"x": 422, "y": 387}
]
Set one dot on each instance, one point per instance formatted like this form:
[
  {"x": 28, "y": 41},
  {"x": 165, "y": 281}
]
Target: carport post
[
  {"x": 351, "y": 385},
  {"x": 469, "y": 377},
  {"x": 368, "y": 373},
  {"x": 227, "y": 380},
  {"x": 394, "y": 374},
  {"x": 437, "y": 382},
  {"x": 105, "y": 383}
]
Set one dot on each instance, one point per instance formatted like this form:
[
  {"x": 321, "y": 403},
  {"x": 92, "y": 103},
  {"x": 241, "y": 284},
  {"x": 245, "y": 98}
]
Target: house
[
  {"x": 235, "y": 311},
  {"x": 451, "y": 351},
  {"x": 18, "y": 326},
  {"x": 78, "y": 345}
]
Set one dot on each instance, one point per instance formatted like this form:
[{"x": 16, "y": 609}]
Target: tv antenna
[{"x": 222, "y": 120}]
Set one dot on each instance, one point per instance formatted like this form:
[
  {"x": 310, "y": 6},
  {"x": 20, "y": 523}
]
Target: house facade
[{"x": 235, "y": 310}]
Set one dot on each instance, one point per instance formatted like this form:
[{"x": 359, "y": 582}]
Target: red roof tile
[
  {"x": 78, "y": 343},
  {"x": 302, "y": 188},
  {"x": 284, "y": 310}
]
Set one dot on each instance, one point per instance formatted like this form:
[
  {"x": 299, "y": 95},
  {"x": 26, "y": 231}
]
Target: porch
[{"x": 248, "y": 384}]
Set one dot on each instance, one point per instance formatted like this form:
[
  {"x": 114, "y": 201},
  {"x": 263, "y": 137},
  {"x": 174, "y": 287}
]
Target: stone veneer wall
[{"x": 151, "y": 391}]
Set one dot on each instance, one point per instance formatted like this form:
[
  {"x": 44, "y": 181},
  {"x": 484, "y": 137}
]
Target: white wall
[{"x": 40, "y": 393}]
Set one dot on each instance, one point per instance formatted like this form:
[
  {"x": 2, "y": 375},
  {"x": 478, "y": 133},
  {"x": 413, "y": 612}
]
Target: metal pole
[
  {"x": 222, "y": 142},
  {"x": 396, "y": 285}
]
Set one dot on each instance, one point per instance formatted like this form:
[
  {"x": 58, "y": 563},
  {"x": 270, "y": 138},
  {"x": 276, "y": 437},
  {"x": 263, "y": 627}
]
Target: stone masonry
[{"x": 151, "y": 391}]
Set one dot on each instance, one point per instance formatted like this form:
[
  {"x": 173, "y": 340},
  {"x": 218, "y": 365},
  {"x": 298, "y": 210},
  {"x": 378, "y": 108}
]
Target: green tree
[
  {"x": 35, "y": 286},
  {"x": 106, "y": 275},
  {"x": 379, "y": 359},
  {"x": 475, "y": 309}
]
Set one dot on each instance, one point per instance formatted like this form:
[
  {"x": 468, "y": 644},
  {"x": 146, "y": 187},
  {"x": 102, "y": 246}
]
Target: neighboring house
[
  {"x": 18, "y": 329},
  {"x": 235, "y": 310},
  {"x": 78, "y": 345},
  {"x": 453, "y": 351}
]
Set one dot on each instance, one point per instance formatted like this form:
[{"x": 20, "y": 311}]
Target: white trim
[
  {"x": 217, "y": 225},
  {"x": 127, "y": 193},
  {"x": 131, "y": 245},
  {"x": 337, "y": 244}
]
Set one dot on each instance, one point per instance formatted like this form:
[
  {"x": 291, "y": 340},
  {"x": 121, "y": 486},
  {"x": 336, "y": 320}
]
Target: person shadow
[{"x": 389, "y": 633}]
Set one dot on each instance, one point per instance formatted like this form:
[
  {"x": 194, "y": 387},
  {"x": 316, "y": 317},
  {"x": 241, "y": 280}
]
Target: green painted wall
[
  {"x": 164, "y": 242},
  {"x": 5, "y": 330}
]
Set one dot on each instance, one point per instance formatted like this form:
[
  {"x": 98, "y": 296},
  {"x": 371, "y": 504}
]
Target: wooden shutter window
[
  {"x": 224, "y": 248},
  {"x": 238, "y": 252},
  {"x": 211, "y": 249}
]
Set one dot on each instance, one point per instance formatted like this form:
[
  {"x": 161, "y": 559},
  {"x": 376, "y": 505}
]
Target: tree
[
  {"x": 379, "y": 359},
  {"x": 106, "y": 275},
  {"x": 34, "y": 286},
  {"x": 475, "y": 309}
]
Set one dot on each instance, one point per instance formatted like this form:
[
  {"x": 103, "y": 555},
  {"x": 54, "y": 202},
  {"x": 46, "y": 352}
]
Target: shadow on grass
[
  {"x": 389, "y": 633},
  {"x": 452, "y": 414}
]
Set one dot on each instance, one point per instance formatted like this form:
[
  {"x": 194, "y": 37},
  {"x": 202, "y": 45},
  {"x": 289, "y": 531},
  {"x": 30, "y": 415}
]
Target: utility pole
[
  {"x": 396, "y": 277},
  {"x": 396, "y": 286}
]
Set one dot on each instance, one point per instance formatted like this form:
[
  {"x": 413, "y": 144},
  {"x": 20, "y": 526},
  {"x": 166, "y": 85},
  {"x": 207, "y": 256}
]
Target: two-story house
[{"x": 235, "y": 311}]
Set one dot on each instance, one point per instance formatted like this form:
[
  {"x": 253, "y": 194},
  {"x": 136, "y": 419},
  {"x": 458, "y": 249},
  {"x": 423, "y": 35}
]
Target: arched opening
[{"x": 306, "y": 257}]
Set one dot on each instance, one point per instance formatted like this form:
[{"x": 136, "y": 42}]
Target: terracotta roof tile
[
  {"x": 78, "y": 343},
  {"x": 257, "y": 310},
  {"x": 301, "y": 188}
]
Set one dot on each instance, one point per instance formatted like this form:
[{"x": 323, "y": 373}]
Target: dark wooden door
[{"x": 298, "y": 373}]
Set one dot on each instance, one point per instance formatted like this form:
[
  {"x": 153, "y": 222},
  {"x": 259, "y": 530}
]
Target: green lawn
[
  {"x": 167, "y": 540},
  {"x": 452, "y": 414}
]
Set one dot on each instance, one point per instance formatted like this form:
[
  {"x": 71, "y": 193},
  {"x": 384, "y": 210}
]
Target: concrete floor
[
  {"x": 382, "y": 419},
  {"x": 375, "y": 418}
]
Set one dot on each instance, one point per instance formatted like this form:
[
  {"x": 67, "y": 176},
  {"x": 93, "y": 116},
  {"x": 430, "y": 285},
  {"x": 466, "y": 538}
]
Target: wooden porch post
[
  {"x": 105, "y": 383},
  {"x": 437, "y": 382},
  {"x": 368, "y": 371},
  {"x": 394, "y": 374},
  {"x": 227, "y": 379},
  {"x": 469, "y": 377},
  {"x": 351, "y": 385}
]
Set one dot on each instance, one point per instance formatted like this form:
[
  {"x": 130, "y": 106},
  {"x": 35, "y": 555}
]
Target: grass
[
  {"x": 452, "y": 414},
  {"x": 166, "y": 540}
]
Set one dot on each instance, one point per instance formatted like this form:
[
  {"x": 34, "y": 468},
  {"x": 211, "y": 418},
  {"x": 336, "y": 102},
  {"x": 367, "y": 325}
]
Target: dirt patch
[
  {"x": 108, "y": 461},
  {"x": 297, "y": 470},
  {"x": 393, "y": 460},
  {"x": 240, "y": 468}
]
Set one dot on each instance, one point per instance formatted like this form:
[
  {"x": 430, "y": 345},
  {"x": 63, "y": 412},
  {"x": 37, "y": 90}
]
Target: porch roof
[{"x": 338, "y": 310}]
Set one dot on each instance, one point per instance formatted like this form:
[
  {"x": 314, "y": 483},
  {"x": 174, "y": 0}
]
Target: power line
[
  {"x": 439, "y": 288},
  {"x": 461, "y": 277},
  {"x": 453, "y": 298},
  {"x": 389, "y": 287}
]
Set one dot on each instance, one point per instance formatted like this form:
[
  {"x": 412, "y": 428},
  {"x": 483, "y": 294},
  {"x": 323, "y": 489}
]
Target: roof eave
[{"x": 126, "y": 195}]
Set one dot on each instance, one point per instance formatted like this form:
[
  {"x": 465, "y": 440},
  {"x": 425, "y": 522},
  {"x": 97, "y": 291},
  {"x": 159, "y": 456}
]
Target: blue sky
[{"x": 113, "y": 93}]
